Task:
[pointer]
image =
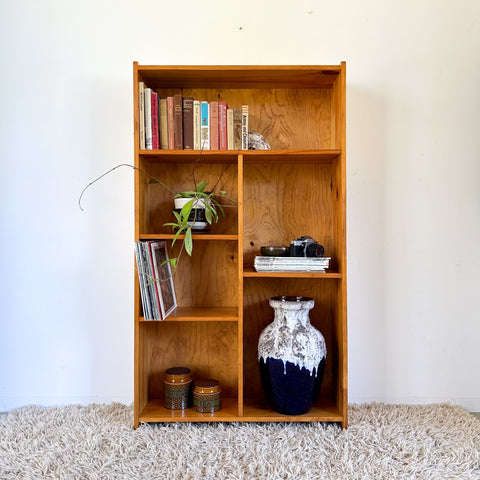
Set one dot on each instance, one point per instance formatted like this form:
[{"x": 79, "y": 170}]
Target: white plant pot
[{"x": 197, "y": 217}]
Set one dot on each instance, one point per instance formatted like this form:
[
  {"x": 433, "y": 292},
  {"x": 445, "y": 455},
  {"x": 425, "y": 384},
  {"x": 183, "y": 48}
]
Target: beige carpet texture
[{"x": 438, "y": 441}]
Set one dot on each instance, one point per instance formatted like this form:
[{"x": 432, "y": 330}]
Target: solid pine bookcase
[{"x": 296, "y": 188}]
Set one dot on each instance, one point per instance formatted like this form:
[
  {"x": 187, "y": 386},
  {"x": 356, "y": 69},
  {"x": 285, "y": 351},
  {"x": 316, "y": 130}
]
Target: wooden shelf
[
  {"x": 156, "y": 412},
  {"x": 250, "y": 273},
  {"x": 324, "y": 411},
  {"x": 196, "y": 237},
  {"x": 200, "y": 314},
  {"x": 227, "y": 156}
]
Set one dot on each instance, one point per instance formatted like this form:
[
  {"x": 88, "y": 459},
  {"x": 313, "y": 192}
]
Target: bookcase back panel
[
  {"x": 300, "y": 118},
  {"x": 209, "y": 276},
  {"x": 257, "y": 314},
  {"x": 179, "y": 177},
  {"x": 284, "y": 201},
  {"x": 208, "y": 349}
]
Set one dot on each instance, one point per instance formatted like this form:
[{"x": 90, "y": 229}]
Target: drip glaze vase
[{"x": 291, "y": 355}]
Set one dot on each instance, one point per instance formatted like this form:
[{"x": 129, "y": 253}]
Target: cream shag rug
[{"x": 98, "y": 442}]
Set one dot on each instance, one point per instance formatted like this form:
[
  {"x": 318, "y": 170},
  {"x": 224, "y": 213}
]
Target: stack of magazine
[
  {"x": 155, "y": 279},
  {"x": 291, "y": 264}
]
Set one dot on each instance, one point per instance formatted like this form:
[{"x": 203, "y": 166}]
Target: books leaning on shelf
[
  {"x": 184, "y": 123},
  {"x": 155, "y": 278},
  {"x": 291, "y": 264}
]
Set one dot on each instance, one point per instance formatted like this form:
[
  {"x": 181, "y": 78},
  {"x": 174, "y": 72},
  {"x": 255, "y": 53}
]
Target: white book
[
  {"x": 141, "y": 114},
  {"x": 244, "y": 127},
  {"x": 196, "y": 124},
  {"x": 148, "y": 118}
]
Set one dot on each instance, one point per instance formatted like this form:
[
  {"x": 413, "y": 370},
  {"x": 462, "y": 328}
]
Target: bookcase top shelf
[{"x": 239, "y": 76}]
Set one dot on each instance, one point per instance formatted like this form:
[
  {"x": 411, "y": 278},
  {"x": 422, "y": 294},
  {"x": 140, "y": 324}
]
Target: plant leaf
[
  {"x": 201, "y": 186},
  {"x": 208, "y": 213},
  {"x": 186, "y": 210},
  {"x": 179, "y": 231},
  {"x": 188, "y": 241},
  {"x": 219, "y": 206}
]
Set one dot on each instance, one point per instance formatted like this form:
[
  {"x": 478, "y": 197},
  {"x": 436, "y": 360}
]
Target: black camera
[{"x": 305, "y": 246}]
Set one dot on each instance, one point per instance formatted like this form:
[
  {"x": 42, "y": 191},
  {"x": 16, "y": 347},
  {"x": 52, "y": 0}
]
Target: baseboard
[
  {"x": 471, "y": 404},
  {"x": 8, "y": 403}
]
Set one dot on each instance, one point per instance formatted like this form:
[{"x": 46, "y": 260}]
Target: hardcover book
[
  {"x": 213, "y": 125},
  {"x": 230, "y": 134},
  {"x": 141, "y": 114},
  {"x": 171, "y": 123},
  {"x": 205, "y": 126},
  {"x": 154, "y": 107},
  {"x": 148, "y": 118},
  {"x": 196, "y": 124},
  {"x": 237, "y": 128},
  {"x": 244, "y": 127},
  {"x": 188, "y": 123},
  {"x": 163, "y": 124},
  {"x": 178, "y": 121},
  {"x": 222, "y": 125}
]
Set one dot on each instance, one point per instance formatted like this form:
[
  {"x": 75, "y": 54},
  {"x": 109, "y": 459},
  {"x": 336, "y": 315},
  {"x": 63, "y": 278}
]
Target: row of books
[
  {"x": 184, "y": 123},
  {"x": 291, "y": 264},
  {"x": 155, "y": 278}
]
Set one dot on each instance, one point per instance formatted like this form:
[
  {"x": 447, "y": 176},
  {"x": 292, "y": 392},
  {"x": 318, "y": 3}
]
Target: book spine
[
  {"x": 205, "y": 126},
  {"x": 148, "y": 118},
  {"x": 171, "y": 123},
  {"x": 213, "y": 125},
  {"x": 154, "y": 108},
  {"x": 244, "y": 127},
  {"x": 222, "y": 125},
  {"x": 163, "y": 124},
  {"x": 178, "y": 126},
  {"x": 196, "y": 124},
  {"x": 230, "y": 134},
  {"x": 237, "y": 128},
  {"x": 141, "y": 114},
  {"x": 188, "y": 123}
]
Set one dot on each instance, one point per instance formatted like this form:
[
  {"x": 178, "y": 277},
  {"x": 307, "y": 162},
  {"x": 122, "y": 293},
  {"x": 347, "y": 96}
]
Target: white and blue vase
[{"x": 291, "y": 355}]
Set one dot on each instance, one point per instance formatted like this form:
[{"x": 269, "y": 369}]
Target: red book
[
  {"x": 222, "y": 125},
  {"x": 213, "y": 125},
  {"x": 155, "y": 136},
  {"x": 170, "y": 124}
]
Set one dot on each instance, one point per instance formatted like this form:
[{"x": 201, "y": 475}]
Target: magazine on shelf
[
  {"x": 291, "y": 264},
  {"x": 155, "y": 278}
]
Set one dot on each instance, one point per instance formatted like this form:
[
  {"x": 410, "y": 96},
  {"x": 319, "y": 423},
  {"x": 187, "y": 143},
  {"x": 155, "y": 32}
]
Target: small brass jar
[
  {"x": 178, "y": 388},
  {"x": 206, "y": 396}
]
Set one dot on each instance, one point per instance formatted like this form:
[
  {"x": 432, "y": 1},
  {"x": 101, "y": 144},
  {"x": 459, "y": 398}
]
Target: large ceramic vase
[{"x": 291, "y": 355}]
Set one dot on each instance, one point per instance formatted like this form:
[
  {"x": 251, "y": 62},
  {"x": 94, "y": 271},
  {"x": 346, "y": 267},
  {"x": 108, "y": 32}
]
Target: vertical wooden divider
[{"x": 240, "y": 284}]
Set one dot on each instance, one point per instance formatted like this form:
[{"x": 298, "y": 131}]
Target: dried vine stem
[{"x": 114, "y": 168}]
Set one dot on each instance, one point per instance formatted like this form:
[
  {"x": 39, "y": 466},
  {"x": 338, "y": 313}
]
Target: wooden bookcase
[{"x": 297, "y": 188}]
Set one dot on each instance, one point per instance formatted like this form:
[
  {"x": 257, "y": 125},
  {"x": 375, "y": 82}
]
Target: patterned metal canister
[
  {"x": 206, "y": 396},
  {"x": 178, "y": 388}
]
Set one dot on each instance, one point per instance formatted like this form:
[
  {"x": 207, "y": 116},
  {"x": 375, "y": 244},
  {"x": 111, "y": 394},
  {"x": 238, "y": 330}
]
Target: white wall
[{"x": 413, "y": 101}]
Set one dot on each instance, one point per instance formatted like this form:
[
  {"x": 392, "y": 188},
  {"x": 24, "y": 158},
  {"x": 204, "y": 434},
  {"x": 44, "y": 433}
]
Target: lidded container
[
  {"x": 206, "y": 396},
  {"x": 178, "y": 388}
]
